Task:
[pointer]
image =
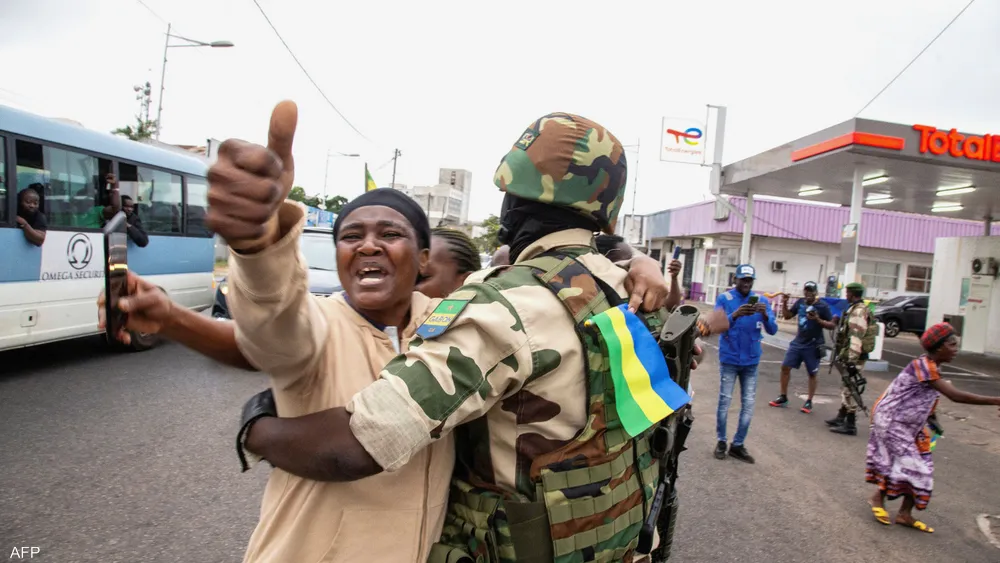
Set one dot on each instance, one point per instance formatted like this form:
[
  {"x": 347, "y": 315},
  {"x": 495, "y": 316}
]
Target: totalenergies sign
[
  {"x": 973, "y": 147},
  {"x": 682, "y": 140}
]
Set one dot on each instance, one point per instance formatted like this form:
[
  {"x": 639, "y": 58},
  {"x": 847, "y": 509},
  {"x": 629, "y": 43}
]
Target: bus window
[
  {"x": 3, "y": 180},
  {"x": 157, "y": 196},
  {"x": 197, "y": 206},
  {"x": 71, "y": 184}
]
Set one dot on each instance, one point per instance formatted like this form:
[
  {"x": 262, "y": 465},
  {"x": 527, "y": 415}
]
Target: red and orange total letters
[{"x": 939, "y": 142}]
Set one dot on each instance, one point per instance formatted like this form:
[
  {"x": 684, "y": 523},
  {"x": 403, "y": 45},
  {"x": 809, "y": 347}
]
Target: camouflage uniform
[
  {"x": 850, "y": 335},
  {"x": 500, "y": 362}
]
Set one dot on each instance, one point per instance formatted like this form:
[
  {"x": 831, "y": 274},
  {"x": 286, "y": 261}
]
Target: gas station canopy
[{"x": 911, "y": 168}]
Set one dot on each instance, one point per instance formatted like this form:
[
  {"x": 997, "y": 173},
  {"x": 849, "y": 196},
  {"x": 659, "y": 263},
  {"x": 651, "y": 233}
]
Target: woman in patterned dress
[{"x": 899, "y": 448}]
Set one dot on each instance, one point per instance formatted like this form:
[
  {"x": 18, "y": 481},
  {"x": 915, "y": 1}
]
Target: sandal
[
  {"x": 917, "y": 525},
  {"x": 881, "y": 515}
]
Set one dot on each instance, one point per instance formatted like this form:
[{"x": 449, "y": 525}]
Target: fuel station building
[{"x": 915, "y": 169}]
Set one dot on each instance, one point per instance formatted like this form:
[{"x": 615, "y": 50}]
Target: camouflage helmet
[{"x": 569, "y": 161}]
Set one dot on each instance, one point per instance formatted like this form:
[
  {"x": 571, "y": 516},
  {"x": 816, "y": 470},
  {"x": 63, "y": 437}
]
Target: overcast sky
[{"x": 453, "y": 84}]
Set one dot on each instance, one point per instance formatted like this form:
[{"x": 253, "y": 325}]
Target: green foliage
[{"x": 487, "y": 242}]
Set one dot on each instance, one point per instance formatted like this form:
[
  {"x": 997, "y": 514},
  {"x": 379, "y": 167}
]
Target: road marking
[{"x": 984, "y": 526}]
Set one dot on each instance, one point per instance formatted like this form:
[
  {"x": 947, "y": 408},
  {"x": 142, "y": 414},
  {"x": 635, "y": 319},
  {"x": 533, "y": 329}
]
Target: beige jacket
[{"x": 319, "y": 352}]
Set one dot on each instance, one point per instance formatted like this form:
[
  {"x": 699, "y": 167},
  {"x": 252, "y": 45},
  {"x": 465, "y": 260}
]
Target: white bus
[{"x": 49, "y": 293}]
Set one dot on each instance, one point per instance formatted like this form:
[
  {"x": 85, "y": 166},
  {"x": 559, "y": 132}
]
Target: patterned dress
[{"x": 899, "y": 448}]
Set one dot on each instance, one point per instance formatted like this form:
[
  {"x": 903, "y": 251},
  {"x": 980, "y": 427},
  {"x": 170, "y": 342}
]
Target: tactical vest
[
  {"x": 591, "y": 495},
  {"x": 844, "y": 332}
]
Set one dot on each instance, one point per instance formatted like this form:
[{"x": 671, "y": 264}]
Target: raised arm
[
  {"x": 151, "y": 311},
  {"x": 770, "y": 323},
  {"x": 279, "y": 325},
  {"x": 957, "y": 395}
]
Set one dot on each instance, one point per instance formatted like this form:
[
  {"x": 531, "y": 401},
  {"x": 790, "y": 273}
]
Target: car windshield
[
  {"x": 319, "y": 251},
  {"x": 898, "y": 300}
]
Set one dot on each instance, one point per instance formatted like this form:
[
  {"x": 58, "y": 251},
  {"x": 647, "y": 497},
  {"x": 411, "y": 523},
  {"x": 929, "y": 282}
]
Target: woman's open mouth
[{"x": 371, "y": 275}]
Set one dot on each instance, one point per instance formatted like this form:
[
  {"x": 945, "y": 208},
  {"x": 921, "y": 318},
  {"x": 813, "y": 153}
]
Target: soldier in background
[
  {"x": 501, "y": 364},
  {"x": 851, "y": 349}
]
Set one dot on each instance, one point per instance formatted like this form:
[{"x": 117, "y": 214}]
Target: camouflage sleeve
[
  {"x": 857, "y": 325},
  {"x": 440, "y": 382}
]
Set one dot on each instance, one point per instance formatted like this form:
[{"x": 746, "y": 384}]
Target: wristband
[{"x": 258, "y": 407}]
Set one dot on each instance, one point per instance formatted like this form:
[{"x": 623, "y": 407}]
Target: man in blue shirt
[
  {"x": 739, "y": 356},
  {"x": 814, "y": 316}
]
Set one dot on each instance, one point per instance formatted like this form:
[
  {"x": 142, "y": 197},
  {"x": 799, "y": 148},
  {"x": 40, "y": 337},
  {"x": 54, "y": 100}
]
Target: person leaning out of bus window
[
  {"x": 30, "y": 219},
  {"x": 95, "y": 217},
  {"x": 134, "y": 223}
]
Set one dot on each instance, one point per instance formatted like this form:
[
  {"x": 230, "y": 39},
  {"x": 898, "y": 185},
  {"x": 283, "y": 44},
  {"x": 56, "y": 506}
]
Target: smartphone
[
  {"x": 115, "y": 273},
  {"x": 753, "y": 300},
  {"x": 677, "y": 252}
]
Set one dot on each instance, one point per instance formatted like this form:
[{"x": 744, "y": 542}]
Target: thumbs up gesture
[{"x": 248, "y": 183}]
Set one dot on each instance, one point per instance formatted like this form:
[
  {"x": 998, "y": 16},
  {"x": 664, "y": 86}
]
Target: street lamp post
[
  {"x": 163, "y": 72},
  {"x": 326, "y": 170}
]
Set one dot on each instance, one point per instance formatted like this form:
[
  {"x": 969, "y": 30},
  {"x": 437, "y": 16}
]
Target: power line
[
  {"x": 157, "y": 16},
  {"x": 908, "y": 65},
  {"x": 306, "y": 72}
]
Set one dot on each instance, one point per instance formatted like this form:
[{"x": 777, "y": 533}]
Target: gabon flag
[
  {"x": 644, "y": 391},
  {"x": 369, "y": 183}
]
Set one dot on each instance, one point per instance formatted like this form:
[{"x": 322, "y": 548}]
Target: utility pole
[
  {"x": 635, "y": 180},
  {"x": 395, "y": 154}
]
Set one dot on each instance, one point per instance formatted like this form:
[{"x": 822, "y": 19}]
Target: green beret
[{"x": 856, "y": 288}]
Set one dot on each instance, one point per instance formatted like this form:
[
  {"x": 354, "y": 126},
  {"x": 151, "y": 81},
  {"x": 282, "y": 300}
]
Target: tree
[
  {"x": 487, "y": 242},
  {"x": 143, "y": 129},
  {"x": 335, "y": 203}
]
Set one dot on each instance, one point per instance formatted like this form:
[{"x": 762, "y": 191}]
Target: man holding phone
[
  {"x": 807, "y": 347},
  {"x": 739, "y": 356}
]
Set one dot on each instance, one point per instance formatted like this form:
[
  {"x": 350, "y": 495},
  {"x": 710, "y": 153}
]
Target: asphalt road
[{"x": 108, "y": 457}]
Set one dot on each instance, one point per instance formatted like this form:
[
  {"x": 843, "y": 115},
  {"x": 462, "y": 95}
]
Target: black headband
[{"x": 397, "y": 201}]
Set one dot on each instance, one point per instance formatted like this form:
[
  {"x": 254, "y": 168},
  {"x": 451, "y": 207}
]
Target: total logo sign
[
  {"x": 682, "y": 140},
  {"x": 72, "y": 256}
]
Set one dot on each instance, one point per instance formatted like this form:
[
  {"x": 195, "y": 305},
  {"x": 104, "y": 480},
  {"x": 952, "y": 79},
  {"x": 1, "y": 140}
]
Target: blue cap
[{"x": 745, "y": 271}]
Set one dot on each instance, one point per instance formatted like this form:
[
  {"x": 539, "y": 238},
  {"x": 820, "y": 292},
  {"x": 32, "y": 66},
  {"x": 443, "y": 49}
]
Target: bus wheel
[{"x": 142, "y": 341}]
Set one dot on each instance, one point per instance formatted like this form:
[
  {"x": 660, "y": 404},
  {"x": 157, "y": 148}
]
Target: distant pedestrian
[
  {"x": 739, "y": 357},
  {"x": 807, "y": 347},
  {"x": 904, "y": 429}
]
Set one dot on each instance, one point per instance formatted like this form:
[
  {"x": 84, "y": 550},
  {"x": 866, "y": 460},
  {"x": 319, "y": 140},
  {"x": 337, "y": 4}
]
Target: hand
[
  {"x": 760, "y": 308},
  {"x": 696, "y": 357},
  {"x": 715, "y": 322},
  {"x": 111, "y": 179},
  {"x": 149, "y": 308},
  {"x": 812, "y": 316},
  {"x": 744, "y": 311},
  {"x": 674, "y": 268},
  {"x": 21, "y": 221},
  {"x": 249, "y": 182},
  {"x": 645, "y": 284}
]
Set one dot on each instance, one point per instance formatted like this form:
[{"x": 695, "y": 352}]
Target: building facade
[
  {"x": 794, "y": 243},
  {"x": 447, "y": 202}
]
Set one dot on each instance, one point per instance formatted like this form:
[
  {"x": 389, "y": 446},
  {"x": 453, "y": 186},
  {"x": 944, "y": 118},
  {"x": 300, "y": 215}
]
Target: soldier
[
  {"x": 544, "y": 468},
  {"x": 851, "y": 348}
]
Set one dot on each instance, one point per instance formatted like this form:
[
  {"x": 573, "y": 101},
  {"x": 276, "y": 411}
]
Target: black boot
[
  {"x": 839, "y": 419},
  {"x": 848, "y": 427}
]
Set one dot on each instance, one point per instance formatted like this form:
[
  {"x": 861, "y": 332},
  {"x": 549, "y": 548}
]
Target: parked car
[
  {"x": 905, "y": 313},
  {"x": 320, "y": 254}
]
